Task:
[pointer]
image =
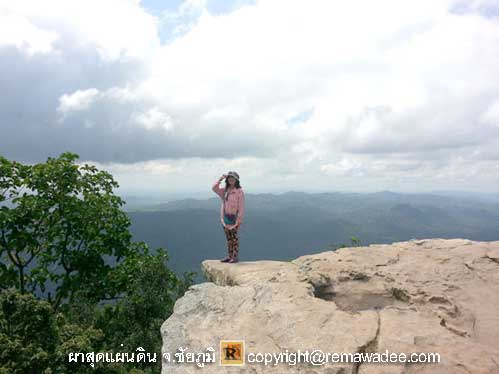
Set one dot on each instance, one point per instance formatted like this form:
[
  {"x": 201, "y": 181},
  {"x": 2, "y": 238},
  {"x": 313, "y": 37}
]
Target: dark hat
[{"x": 233, "y": 174}]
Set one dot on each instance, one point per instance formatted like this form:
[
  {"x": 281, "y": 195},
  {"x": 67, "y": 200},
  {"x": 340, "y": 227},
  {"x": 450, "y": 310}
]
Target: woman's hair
[{"x": 237, "y": 184}]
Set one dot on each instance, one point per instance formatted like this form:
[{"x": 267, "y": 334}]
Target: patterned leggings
[{"x": 232, "y": 242}]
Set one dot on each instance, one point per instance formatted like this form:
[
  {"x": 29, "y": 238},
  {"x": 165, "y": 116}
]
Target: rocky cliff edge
[{"x": 432, "y": 295}]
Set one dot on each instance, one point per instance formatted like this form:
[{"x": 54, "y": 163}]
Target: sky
[{"x": 312, "y": 95}]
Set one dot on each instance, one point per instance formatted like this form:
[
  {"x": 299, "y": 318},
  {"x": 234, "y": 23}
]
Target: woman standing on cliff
[{"x": 231, "y": 212}]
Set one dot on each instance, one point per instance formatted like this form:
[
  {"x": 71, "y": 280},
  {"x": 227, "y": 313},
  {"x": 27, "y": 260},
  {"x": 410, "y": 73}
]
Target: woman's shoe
[
  {"x": 233, "y": 260},
  {"x": 226, "y": 259}
]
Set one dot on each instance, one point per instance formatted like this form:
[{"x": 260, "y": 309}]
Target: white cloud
[
  {"x": 117, "y": 28},
  {"x": 229, "y": 112},
  {"x": 153, "y": 119},
  {"x": 398, "y": 92},
  {"x": 77, "y": 101},
  {"x": 17, "y": 31},
  {"x": 491, "y": 114}
]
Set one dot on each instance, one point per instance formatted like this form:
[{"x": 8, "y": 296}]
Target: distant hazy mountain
[
  {"x": 291, "y": 224},
  {"x": 481, "y": 196}
]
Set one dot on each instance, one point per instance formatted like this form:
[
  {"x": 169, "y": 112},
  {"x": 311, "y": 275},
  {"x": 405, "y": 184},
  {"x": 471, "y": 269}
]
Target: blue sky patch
[
  {"x": 169, "y": 29},
  {"x": 301, "y": 117}
]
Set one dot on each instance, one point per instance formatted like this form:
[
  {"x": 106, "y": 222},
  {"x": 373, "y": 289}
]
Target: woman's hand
[
  {"x": 222, "y": 177},
  {"x": 235, "y": 226}
]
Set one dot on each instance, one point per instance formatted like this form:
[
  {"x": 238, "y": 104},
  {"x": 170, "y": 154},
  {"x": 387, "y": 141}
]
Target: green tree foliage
[
  {"x": 61, "y": 225},
  {"x": 69, "y": 218},
  {"x": 28, "y": 333},
  {"x": 355, "y": 242}
]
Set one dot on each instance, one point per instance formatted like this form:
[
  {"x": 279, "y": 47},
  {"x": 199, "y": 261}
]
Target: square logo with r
[{"x": 231, "y": 352}]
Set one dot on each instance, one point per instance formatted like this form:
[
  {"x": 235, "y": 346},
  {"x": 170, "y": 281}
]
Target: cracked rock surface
[{"x": 430, "y": 295}]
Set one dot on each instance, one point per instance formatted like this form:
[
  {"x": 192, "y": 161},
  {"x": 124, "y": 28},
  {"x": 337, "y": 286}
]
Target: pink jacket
[{"x": 234, "y": 203}]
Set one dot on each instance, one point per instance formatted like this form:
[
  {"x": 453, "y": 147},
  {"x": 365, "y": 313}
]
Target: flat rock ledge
[{"x": 428, "y": 295}]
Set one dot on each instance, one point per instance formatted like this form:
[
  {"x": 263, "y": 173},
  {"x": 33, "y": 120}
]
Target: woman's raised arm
[{"x": 217, "y": 189}]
